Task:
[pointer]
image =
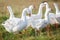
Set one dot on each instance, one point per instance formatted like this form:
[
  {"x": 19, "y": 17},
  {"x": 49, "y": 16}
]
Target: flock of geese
[{"x": 14, "y": 24}]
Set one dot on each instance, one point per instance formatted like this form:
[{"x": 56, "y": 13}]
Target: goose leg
[
  {"x": 38, "y": 32},
  {"x": 25, "y": 31},
  {"x": 35, "y": 32},
  {"x": 56, "y": 25},
  {"x": 48, "y": 30}
]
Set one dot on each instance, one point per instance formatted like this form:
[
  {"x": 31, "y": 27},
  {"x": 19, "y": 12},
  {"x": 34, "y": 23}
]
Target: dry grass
[{"x": 18, "y": 6}]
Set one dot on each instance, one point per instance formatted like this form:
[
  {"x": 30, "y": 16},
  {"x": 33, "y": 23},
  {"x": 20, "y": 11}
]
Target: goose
[
  {"x": 20, "y": 25},
  {"x": 35, "y": 16},
  {"x": 40, "y": 23},
  {"x": 39, "y": 14},
  {"x": 31, "y": 8},
  {"x": 12, "y": 16},
  {"x": 52, "y": 18},
  {"x": 29, "y": 17}
]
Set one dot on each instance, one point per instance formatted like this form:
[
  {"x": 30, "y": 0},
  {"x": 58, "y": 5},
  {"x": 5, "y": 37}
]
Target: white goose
[
  {"x": 12, "y": 16},
  {"x": 39, "y": 14},
  {"x": 34, "y": 16},
  {"x": 41, "y": 23},
  {"x": 20, "y": 25},
  {"x": 52, "y": 18}
]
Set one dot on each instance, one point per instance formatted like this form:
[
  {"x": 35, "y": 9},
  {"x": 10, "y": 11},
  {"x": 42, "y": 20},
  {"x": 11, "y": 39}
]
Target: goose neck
[
  {"x": 40, "y": 11},
  {"x": 56, "y": 7},
  {"x": 46, "y": 13},
  {"x": 11, "y": 15},
  {"x": 11, "y": 12},
  {"x": 31, "y": 10},
  {"x": 47, "y": 6},
  {"x": 24, "y": 15}
]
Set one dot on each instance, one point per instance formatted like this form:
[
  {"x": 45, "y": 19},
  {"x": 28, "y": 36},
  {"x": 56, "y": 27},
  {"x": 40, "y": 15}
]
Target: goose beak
[{"x": 29, "y": 14}]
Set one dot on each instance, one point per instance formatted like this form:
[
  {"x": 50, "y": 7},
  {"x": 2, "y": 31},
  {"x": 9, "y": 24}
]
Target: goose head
[
  {"x": 42, "y": 4},
  {"x": 10, "y": 9},
  {"x": 10, "y": 12},
  {"x": 55, "y": 4},
  {"x": 30, "y": 9},
  {"x": 25, "y": 10},
  {"x": 29, "y": 12},
  {"x": 45, "y": 2}
]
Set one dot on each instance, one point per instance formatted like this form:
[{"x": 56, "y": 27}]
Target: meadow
[{"x": 18, "y": 6}]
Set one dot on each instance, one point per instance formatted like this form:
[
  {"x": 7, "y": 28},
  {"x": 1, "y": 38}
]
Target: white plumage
[
  {"x": 39, "y": 14},
  {"x": 41, "y": 23},
  {"x": 52, "y": 18},
  {"x": 14, "y": 24},
  {"x": 35, "y": 17}
]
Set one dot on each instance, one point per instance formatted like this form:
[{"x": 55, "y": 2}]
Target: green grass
[
  {"x": 17, "y": 6},
  {"x": 29, "y": 35}
]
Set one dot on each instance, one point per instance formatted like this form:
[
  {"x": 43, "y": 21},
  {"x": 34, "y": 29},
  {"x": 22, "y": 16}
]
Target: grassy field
[{"x": 17, "y": 6}]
